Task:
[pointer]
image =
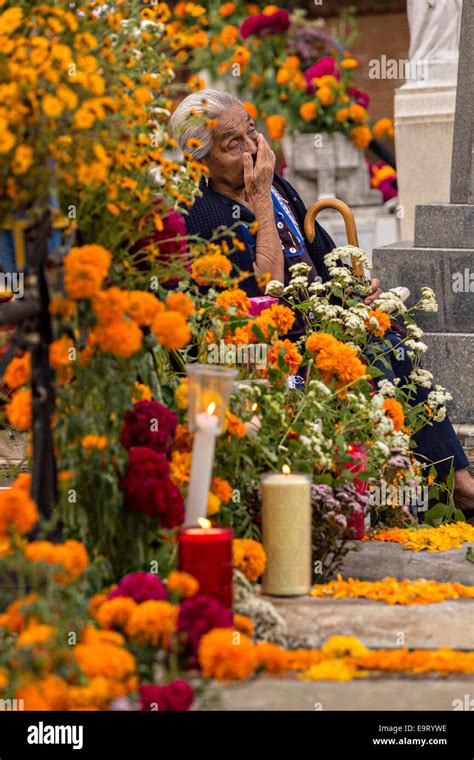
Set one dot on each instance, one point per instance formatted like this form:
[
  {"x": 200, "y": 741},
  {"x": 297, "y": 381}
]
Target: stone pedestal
[
  {"x": 424, "y": 123},
  {"x": 449, "y": 333},
  {"x": 323, "y": 165}
]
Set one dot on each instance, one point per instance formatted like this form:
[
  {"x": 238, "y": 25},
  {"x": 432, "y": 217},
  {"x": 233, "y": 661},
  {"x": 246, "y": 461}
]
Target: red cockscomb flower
[
  {"x": 198, "y": 615},
  {"x": 149, "y": 424},
  {"x": 177, "y": 695},
  {"x": 140, "y": 586},
  {"x": 147, "y": 487},
  {"x": 261, "y": 24}
]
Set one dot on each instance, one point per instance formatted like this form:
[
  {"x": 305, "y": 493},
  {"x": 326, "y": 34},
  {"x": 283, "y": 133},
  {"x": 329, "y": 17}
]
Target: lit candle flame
[
  {"x": 286, "y": 469},
  {"x": 254, "y": 407},
  {"x": 211, "y": 409},
  {"x": 204, "y": 523}
]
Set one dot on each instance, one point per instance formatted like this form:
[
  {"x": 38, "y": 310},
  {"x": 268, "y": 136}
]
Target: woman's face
[{"x": 234, "y": 135}]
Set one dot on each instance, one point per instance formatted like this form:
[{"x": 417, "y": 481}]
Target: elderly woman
[{"x": 242, "y": 187}]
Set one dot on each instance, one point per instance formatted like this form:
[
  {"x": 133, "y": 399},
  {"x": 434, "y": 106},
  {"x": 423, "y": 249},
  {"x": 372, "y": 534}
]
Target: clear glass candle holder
[{"x": 208, "y": 396}]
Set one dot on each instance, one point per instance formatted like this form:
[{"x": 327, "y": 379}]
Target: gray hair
[{"x": 184, "y": 124}]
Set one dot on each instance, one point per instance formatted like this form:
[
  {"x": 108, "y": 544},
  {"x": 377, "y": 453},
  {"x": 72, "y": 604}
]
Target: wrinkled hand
[
  {"x": 374, "y": 293},
  {"x": 258, "y": 179}
]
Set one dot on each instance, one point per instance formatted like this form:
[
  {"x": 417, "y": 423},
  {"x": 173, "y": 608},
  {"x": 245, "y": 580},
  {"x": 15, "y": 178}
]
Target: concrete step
[
  {"x": 374, "y": 560},
  {"x": 310, "y": 621},
  {"x": 401, "y": 693}
]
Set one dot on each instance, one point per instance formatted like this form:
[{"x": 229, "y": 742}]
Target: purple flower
[{"x": 360, "y": 97}]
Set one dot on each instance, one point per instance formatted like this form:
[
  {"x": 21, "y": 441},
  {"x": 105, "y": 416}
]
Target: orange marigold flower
[
  {"x": 229, "y": 35},
  {"x": 243, "y": 624},
  {"x": 291, "y": 357},
  {"x": 211, "y": 269},
  {"x": 171, "y": 330},
  {"x": 96, "y": 601},
  {"x": 183, "y": 584},
  {"x": 85, "y": 269},
  {"x": 109, "y": 305},
  {"x": 142, "y": 392},
  {"x": 18, "y": 371},
  {"x": 48, "y": 693},
  {"x": 17, "y": 511},
  {"x": 142, "y": 307},
  {"x": 251, "y": 109},
  {"x": 394, "y": 410},
  {"x": 342, "y": 115},
  {"x": 102, "y": 658},
  {"x": 222, "y": 489},
  {"x": 383, "y": 128},
  {"x": 19, "y": 410},
  {"x": 235, "y": 298},
  {"x": 34, "y": 634},
  {"x": 334, "y": 359},
  {"x": 227, "y": 9},
  {"x": 62, "y": 353},
  {"x": 213, "y": 504},
  {"x": 349, "y": 63},
  {"x": 278, "y": 316},
  {"x": 14, "y": 616},
  {"x": 181, "y": 394},
  {"x": 152, "y": 622},
  {"x": 94, "y": 442},
  {"x": 3, "y": 679},
  {"x": 72, "y": 555},
  {"x": 122, "y": 337},
  {"x": 271, "y": 657},
  {"x": 382, "y": 319},
  {"x": 275, "y": 126},
  {"x": 249, "y": 557},
  {"x": 115, "y": 613},
  {"x": 180, "y": 302},
  {"x": 357, "y": 113},
  {"x": 180, "y": 467},
  {"x": 308, "y": 110},
  {"x": 235, "y": 426},
  {"x": 325, "y": 95},
  {"x": 226, "y": 656},
  {"x": 361, "y": 136}
]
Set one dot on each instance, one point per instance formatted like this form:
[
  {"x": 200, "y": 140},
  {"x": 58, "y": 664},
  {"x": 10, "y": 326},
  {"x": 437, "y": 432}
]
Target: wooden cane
[{"x": 349, "y": 221}]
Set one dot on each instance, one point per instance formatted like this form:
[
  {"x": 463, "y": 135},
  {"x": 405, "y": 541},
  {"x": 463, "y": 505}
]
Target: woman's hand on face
[{"x": 258, "y": 178}]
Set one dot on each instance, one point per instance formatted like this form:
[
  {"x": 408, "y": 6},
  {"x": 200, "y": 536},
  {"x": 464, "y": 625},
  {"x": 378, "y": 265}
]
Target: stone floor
[{"x": 310, "y": 621}]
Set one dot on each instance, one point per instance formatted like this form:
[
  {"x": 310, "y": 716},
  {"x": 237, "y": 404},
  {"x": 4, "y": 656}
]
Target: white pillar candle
[
  {"x": 207, "y": 430},
  {"x": 286, "y": 533}
]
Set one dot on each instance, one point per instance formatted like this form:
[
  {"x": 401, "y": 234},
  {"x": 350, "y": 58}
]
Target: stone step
[
  {"x": 401, "y": 693},
  {"x": 374, "y": 560},
  {"x": 310, "y": 621}
]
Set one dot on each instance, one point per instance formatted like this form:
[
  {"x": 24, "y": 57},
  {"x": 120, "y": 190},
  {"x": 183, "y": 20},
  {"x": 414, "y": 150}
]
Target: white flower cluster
[
  {"x": 391, "y": 301},
  {"x": 414, "y": 331},
  {"x": 436, "y": 402},
  {"x": 415, "y": 348},
  {"x": 274, "y": 288},
  {"x": 295, "y": 286},
  {"x": 346, "y": 253},
  {"x": 421, "y": 377},
  {"x": 386, "y": 388},
  {"x": 427, "y": 301},
  {"x": 341, "y": 276},
  {"x": 299, "y": 270}
]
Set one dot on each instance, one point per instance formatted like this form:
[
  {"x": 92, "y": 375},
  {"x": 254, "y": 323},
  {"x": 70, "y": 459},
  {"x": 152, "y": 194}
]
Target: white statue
[{"x": 434, "y": 29}]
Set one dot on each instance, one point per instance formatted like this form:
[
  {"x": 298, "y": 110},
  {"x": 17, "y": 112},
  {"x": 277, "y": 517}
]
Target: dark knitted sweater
[{"x": 213, "y": 210}]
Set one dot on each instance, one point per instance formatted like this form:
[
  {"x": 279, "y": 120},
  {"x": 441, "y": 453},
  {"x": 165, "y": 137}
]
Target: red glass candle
[
  {"x": 359, "y": 521},
  {"x": 206, "y": 553}
]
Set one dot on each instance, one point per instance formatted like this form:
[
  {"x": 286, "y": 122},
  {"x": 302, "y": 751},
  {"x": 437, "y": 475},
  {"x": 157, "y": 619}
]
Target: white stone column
[{"x": 424, "y": 108}]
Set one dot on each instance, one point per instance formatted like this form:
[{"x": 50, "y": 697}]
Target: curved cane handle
[{"x": 349, "y": 221}]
